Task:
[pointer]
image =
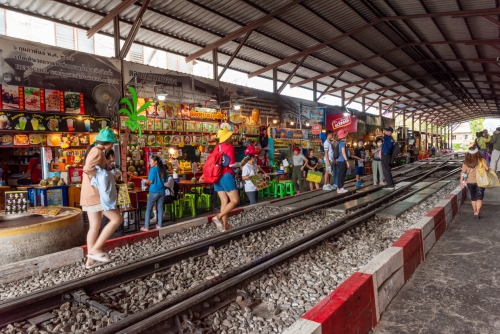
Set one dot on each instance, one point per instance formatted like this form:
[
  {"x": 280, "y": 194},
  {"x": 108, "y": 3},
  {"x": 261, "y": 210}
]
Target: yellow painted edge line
[{"x": 40, "y": 227}]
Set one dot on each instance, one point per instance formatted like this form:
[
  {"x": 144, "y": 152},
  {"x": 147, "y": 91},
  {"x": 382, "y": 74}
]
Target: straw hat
[{"x": 224, "y": 133}]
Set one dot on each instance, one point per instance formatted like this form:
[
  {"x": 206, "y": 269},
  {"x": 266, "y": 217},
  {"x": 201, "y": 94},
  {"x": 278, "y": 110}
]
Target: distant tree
[{"x": 476, "y": 126}]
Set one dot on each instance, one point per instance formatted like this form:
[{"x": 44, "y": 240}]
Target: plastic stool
[
  {"x": 204, "y": 200},
  {"x": 289, "y": 188},
  {"x": 280, "y": 190},
  {"x": 271, "y": 190},
  {"x": 261, "y": 193},
  {"x": 187, "y": 200}
]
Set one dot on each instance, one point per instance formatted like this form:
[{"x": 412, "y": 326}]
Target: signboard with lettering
[
  {"x": 25, "y": 121},
  {"x": 95, "y": 81},
  {"x": 335, "y": 122}
]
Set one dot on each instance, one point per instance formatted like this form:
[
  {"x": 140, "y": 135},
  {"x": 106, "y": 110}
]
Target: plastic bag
[{"x": 486, "y": 178}]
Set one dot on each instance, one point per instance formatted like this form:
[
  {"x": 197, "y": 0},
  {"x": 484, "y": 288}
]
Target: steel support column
[
  {"x": 275, "y": 80},
  {"x": 215, "y": 66},
  {"x": 315, "y": 91},
  {"x": 403, "y": 135},
  {"x": 116, "y": 35},
  {"x": 380, "y": 108},
  {"x": 342, "y": 97}
]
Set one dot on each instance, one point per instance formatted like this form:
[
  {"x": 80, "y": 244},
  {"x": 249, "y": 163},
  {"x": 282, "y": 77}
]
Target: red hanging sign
[
  {"x": 335, "y": 122},
  {"x": 316, "y": 129}
]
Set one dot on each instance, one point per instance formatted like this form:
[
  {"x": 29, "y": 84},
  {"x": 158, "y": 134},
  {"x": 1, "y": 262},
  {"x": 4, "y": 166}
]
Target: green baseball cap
[{"x": 106, "y": 135}]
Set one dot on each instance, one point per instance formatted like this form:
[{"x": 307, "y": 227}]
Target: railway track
[{"x": 167, "y": 315}]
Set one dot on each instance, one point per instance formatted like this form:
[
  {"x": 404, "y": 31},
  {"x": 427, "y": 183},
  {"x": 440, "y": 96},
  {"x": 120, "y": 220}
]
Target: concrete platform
[{"x": 456, "y": 289}]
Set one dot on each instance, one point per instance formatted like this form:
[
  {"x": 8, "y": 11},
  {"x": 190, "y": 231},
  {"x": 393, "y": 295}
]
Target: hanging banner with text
[
  {"x": 335, "y": 122},
  {"x": 37, "y": 77}
]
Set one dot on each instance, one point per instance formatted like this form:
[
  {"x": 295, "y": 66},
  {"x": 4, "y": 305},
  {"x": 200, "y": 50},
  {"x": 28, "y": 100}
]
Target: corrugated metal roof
[{"x": 186, "y": 26}]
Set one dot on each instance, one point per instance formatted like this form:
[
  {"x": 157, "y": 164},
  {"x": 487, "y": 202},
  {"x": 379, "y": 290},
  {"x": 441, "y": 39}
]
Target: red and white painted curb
[{"x": 357, "y": 304}]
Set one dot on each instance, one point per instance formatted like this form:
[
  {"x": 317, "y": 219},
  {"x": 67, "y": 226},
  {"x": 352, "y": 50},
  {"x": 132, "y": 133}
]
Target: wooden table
[
  {"x": 187, "y": 184},
  {"x": 277, "y": 175}
]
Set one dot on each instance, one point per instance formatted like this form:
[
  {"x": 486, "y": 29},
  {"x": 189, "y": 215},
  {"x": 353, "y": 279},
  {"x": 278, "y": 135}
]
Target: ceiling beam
[
  {"x": 291, "y": 75},
  {"x": 106, "y": 19},
  {"x": 234, "y": 54},
  {"x": 331, "y": 84},
  {"x": 133, "y": 31},
  {"x": 255, "y": 24},
  {"x": 362, "y": 61},
  {"x": 370, "y": 24}
]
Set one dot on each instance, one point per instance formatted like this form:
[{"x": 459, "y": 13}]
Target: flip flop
[
  {"x": 158, "y": 227},
  {"x": 144, "y": 229},
  {"x": 100, "y": 257},
  {"x": 95, "y": 264},
  {"x": 218, "y": 223}
]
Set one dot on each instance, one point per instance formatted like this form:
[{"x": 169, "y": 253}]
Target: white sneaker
[
  {"x": 153, "y": 220},
  {"x": 326, "y": 187},
  {"x": 341, "y": 191},
  {"x": 218, "y": 223},
  {"x": 335, "y": 186}
]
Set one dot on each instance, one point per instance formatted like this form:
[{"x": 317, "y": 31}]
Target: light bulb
[
  {"x": 292, "y": 123},
  {"x": 307, "y": 124},
  {"x": 275, "y": 121}
]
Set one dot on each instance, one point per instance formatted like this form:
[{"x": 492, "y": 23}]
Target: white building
[{"x": 463, "y": 135}]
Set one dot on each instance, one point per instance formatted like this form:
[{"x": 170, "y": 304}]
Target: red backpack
[{"x": 212, "y": 169}]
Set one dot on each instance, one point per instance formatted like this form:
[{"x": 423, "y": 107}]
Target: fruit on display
[
  {"x": 44, "y": 183},
  {"x": 55, "y": 179},
  {"x": 131, "y": 169},
  {"x": 194, "y": 180},
  {"x": 61, "y": 183},
  {"x": 136, "y": 174},
  {"x": 141, "y": 162},
  {"x": 131, "y": 185}
]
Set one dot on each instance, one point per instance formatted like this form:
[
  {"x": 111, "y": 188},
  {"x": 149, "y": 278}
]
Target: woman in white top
[{"x": 246, "y": 172}]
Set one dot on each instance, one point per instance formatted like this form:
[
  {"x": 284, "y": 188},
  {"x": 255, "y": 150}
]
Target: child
[{"x": 359, "y": 157}]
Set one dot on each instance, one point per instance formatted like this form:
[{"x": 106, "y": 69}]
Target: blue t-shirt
[
  {"x": 339, "y": 147},
  {"x": 387, "y": 145},
  {"x": 158, "y": 185}
]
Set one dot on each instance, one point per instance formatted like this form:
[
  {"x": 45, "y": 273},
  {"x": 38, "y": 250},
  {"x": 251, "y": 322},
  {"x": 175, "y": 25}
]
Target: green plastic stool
[
  {"x": 289, "y": 188},
  {"x": 261, "y": 193},
  {"x": 204, "y": 200},
  {"x": 271, "y": 190},
  {"x": 187, "y": 200},
  {"x": 280, "y": 190}
]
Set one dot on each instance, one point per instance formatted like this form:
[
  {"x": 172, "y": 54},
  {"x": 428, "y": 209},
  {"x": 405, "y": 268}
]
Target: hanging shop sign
[
  {"x": 289, "y": 133},
  {"x": 95, "y": 81},
  {"x": 207, "y": 113},
  {"x": 335, "y": 122},
  {"x": 23, "y": 121},
  {"x": 316, "y": 129}
]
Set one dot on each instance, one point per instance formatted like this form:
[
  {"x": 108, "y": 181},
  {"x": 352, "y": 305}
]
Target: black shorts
[{"x": 476, "y": 193}]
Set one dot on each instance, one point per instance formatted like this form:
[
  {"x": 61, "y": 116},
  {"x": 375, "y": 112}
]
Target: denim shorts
[
  {"x": 226, "y": 183},
  {"x": 360, "y": 171}
]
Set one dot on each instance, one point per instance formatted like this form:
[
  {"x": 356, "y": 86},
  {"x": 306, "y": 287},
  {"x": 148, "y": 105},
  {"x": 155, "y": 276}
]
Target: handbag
[{"x": 486, "y": 178}]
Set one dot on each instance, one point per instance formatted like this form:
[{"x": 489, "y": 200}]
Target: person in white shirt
[
  {"x": 299, "y": 162},
  {"x": 248, "y": 170},
  {"x": 327, "y": 145}
]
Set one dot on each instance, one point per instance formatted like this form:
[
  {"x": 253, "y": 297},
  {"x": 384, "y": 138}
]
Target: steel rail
[
  {"x": 140, "y": 322},
  {"x": 45, "y": 300}
]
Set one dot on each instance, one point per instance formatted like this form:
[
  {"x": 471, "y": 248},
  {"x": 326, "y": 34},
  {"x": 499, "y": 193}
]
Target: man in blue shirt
[{"x": 387, "y": 147}]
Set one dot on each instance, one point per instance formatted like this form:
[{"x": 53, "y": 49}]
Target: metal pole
[
  {"x": 275, "y": 80},
  {"x": 315, "y": 91},
  {"x": 116, "y": 35},
  {"x": 342, "y": 97},
  {"x": 215, "y": 67}
]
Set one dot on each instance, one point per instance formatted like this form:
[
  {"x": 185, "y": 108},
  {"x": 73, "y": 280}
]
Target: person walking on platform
[
  {"x": 156, "y": 180},
  {"x": 387, "y": 147},
  {"x": 312, "y": 165},
  {"x": 378, "y": 175},
  {"x": 342, "y": 160},
  {"x": 327, "y": 145},
  {"x": 299, "y": 162},
  {"x": 335, "y": 169},
  {"x": 468, "y": 177},
  {"x": 91, "y": 199},
  {"x": 226, "y": 186},
  {"x": 359, "y": 161},
  {"x": 495, "y": 154},
  {"x": 483, "y": 138}
]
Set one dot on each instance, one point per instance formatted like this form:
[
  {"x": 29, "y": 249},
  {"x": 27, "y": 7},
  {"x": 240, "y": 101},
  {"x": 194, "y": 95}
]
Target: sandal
[
  {"x": 100, "y": 257},
  {"x": 93, "y": 265},
  {"x": 144, "y": 229}
]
